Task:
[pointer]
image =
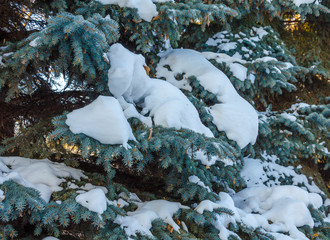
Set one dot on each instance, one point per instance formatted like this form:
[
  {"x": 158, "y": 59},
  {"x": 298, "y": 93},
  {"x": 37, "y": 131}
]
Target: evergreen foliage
[{"x": 69, "y": 42}]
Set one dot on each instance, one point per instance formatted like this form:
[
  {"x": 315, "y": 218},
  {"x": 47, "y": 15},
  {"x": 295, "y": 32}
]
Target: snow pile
[
  {"x": 259, "y": 173},
  {"x": 275, "y": 209},
  {"x": 169, "y": 107},
  {"x": 50, "y": 238},
  {"x": 94, "y": 200},
  {"x": 234, "y": 114},
  {"x": 145, "y": 8},
  {"x": 104, "y": 120},
  {"x": 140, "y": 220},
  {"x": 284, "y": 206},
  {"x": 42, "y": 175}
]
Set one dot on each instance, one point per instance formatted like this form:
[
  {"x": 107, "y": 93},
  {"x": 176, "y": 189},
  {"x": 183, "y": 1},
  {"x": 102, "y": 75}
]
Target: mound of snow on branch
[
  {"x": 234, "y": 114},
  {"x": 268, "y": 173},
  {"x": 42, "y": 175},
  {"x": 275, "y": 209},
  {"x": 140, "y": 220},
  {"x": 145, "y": 8},
  {"x": 103, "y": 120},
  {"x": 129, "y": 82},
  {"x": 94, "y": 200}
]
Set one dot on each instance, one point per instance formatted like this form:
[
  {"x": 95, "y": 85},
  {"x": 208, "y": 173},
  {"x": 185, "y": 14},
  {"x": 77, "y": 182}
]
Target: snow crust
[
  {"x": 140, "y": 220},
  {"x": 103, "y": 120},
  {"x": 234, "y": 114},
  {"x": 145, "y": 8},
  {"x": 169, "y": 107},
  {"x": 43, "y": 175},
  {"x": 94, "y": 200}
]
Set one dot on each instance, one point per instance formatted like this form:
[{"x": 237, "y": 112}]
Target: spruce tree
[{"x": 163, "y": 103}]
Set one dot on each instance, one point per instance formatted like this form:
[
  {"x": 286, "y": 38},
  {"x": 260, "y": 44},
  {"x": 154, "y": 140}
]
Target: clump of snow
[
  {"x": 50, "y": 238},
  {"x": 265, "y": 59},
  {"x": 206, "y": 205},
  {"x": 234, "y": 63},
  {"x": 145, "y": 8},
  {"x": 140, "y": 220},
  {"x": 195, "y": 179},
  {"x": 299, "y": 2},
  {"x": 288, "y": 116},
  {"x": 201, "y": 155},
  {"x": 168, "y": 106},
  {"x": 234, "y": 114},
  {"x": 279, "y": 209},
  {"x": 94, "y": 200},
  {"x": 259, "y": 173},
  {"x": 104, "y": 120},
  {"x": 42, "y": 175},
  {"x": 2, "y": 195},
  {"x": 284, "y": 206},
  {"x": 34, "y": 42}
]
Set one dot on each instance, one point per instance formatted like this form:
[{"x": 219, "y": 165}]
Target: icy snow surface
[
  {"x": 140, "y": 220},
  {"x": 94, "y": 200},
  {"x": 42, "y": 175},
  {"x": 145, "y": 8},
  {"x": 169, "y": 107},
  {"x": 234, "y": 114},
  {"x": 104, "y": 120}
]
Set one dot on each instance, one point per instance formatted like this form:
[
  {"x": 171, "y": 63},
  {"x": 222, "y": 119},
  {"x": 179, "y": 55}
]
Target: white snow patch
[
  {"x": 234, "y": 114},
  {"x": 94, "y": 200},
  {"x": 50, "y": 238},
  {"x": 265, "y": 59},
  {"x": 206, "y": 205},
  {"x": 259, "y": 173},
  {"x": 227, "y": 46},
  {"x": 2, "y": 195},
  {"x": 284, "y": 206},
  {"x": 145, "y": 8},
  {"x": 34, "y": 42},
  {"x": 201, "y": 155},
  {"x": 299, "y": 2},
  {"x": 103, "y": 120},
  {"x": 195, "y": 179},
  {"x": 275, "y": 209},
  {"x": 168, "y": 106},
  {"x": 42, "y": 175},
  {"x": 288, "y": 116},
  {"x": 140, "y": 220}
]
